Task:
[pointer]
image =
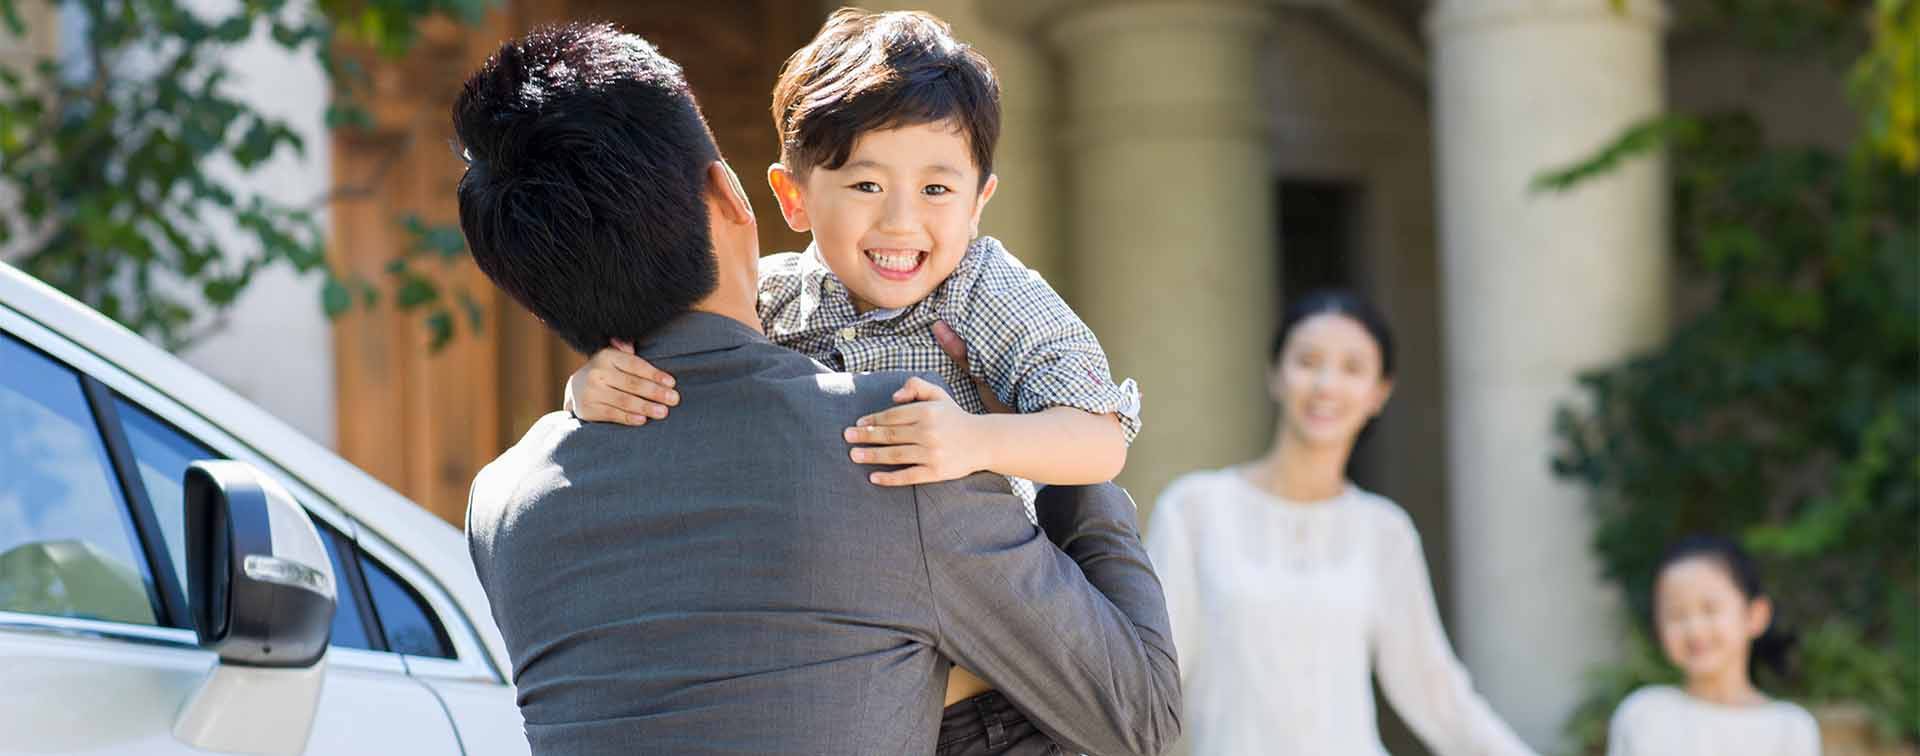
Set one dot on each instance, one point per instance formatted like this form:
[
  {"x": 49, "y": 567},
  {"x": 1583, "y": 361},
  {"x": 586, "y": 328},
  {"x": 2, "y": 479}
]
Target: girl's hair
[
  {"x": 1774, "y": 646},
  {"x": 1336, "y": 302}
]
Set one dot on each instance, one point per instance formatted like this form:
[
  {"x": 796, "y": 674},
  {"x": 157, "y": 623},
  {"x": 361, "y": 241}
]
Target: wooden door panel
[{"x": 425, "y": 422}]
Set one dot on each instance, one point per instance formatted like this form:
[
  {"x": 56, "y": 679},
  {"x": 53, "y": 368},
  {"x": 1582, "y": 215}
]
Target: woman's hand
[
  {"x": 616, "y": 386},
  {"x": 928, "y": 432}
]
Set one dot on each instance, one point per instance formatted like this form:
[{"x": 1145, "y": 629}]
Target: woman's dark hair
[
  {"x": 1335, "y": 302},
  {"x": 868, "y": 72},
  {"x": 1774, "y": 646},
  {"x": 585, "y": 191}
]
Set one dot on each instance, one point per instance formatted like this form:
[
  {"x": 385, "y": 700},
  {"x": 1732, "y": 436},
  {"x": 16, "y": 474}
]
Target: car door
[{"x": 93, "y": 625}]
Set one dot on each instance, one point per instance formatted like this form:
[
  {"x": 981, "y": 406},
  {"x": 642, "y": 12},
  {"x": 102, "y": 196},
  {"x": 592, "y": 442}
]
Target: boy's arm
[
  {"x": 938, "y": 440},
  {"x": 1028, "y": 346},
  {"x": 1058, "y": 446}
]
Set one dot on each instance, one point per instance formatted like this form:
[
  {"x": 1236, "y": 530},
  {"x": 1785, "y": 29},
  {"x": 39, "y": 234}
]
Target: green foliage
[
  {"x": 1785, "y": 407},
  {"x": 122, "y": 158}
]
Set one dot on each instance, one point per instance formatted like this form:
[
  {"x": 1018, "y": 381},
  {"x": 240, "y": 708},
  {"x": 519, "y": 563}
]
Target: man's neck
[
  {"x": 736, "y": 293},
  {"x": 748, "y": 315}
]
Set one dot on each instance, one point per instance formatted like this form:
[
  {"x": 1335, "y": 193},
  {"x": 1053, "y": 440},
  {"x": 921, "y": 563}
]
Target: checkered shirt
[{"x": 1022, "y": 339}]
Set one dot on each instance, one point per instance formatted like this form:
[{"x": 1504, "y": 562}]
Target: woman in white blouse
[{"x": 1290, "y": 588}]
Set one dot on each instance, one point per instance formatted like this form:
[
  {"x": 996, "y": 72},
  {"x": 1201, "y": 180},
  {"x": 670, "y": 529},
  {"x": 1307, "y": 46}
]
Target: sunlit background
[{"x": 1708, "y": 206}]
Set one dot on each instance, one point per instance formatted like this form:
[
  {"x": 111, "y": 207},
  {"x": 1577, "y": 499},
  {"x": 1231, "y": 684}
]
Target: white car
[{"x": 101, "y": 651}]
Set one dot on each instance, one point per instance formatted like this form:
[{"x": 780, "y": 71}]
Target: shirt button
[{"x": 847, "y": 333}]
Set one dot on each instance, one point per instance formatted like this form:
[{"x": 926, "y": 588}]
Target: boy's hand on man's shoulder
[
  {"x": 928, "y": 432},
  {"x": 618, "y": 386}
]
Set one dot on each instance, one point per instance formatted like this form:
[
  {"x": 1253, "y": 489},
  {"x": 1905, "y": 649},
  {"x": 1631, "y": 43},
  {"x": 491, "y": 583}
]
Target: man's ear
[
  {"x": 727, "y": 194},
  {"x": 786, "y": 190},
  {"x": 986, "y": 193}
]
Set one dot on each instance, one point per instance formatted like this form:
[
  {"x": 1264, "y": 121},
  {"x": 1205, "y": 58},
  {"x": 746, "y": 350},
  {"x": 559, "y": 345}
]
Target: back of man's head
[{"x": 584, "y": 197}]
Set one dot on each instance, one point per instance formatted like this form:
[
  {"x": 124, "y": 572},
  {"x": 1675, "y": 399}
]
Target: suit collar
[{"x": 695, "y": 332}]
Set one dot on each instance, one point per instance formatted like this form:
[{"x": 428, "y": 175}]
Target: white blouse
[
  {"x": 1283, "y": 611},
  {"x": 1664, "y": 720}
]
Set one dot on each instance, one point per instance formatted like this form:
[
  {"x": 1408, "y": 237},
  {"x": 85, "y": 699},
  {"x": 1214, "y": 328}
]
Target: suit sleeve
[{"x": 1071, "y": 627}]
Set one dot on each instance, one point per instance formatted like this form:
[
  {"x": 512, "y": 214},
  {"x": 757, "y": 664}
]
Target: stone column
[
  {"x": 1026, "y": 212},
  {"x": 1171, "y": 205},
  {"x": 1538, "y": 288},
  {"x": 42, "y": 38},
  {"x": 19, "y": 55}
]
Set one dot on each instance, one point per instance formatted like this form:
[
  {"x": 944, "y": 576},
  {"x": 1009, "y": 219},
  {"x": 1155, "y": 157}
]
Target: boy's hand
[
  {"x": 615, "y": 386},
  {"x": 928, "y": 431},
  {"x": 956, "y": 350}
]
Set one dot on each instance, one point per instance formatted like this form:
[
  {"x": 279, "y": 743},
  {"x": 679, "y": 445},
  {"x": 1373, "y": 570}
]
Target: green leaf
[
  {"x": 234, "y": 30},
  {"x": 334, "y": 298},
  {"x": 222, "y": 291},
  {"x": 348, "y": 116},
  {"x": 440, "y": 326},
  {"x": 474, "y": 314},
  {"x": 1636, "y": 140},
  {"x": 10, "y": 13},
  {"x": 416, "y": 291}
]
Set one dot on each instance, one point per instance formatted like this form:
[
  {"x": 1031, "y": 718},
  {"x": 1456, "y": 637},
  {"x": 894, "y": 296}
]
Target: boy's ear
[
  {"x": 786, "y": 190},
  {"x": 731, "y": 198},
  {"x": 986, "y": 193}
]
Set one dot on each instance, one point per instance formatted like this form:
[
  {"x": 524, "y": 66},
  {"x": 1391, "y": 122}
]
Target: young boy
[{"x": 887, "y": 128}]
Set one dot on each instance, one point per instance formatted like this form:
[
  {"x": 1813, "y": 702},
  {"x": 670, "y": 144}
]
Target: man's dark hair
[
  {"x": 583, "y": 198},
  {"x": 873, "y": 71}
]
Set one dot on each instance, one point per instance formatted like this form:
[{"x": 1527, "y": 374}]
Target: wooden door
[{"x": 425, "y": 422}]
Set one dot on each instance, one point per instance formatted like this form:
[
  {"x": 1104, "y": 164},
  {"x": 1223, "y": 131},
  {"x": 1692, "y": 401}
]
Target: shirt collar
[{"x": 694, "y": 332}]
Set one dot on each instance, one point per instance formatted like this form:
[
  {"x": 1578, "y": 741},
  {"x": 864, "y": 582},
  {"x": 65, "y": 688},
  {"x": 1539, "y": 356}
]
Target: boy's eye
[
  {"x": 866, "y": 186},
  {"x": 935, "y": 190}
]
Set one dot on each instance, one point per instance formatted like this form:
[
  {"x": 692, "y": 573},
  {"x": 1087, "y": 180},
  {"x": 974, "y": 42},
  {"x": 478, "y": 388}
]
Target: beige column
[
  {"x": 19, "y": 55},
  {"x": 1026, "y": 210},
  {"x": 1171, "y": 201},
  {"x": 1538, "y": 288},
  {"x": 42, "y": 21}
]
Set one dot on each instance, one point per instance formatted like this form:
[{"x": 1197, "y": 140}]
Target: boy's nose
[{"x": 897, "y": 215}]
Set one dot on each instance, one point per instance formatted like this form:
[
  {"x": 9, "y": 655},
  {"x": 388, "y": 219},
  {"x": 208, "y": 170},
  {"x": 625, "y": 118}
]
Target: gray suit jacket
[{"x": 726, "y": 581}]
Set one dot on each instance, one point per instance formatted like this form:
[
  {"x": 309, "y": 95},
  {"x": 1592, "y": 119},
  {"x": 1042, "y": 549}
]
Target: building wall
[{"x": 276, "y": 348}]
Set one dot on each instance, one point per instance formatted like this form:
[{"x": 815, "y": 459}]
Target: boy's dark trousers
[{"x": 987, "y": 724}]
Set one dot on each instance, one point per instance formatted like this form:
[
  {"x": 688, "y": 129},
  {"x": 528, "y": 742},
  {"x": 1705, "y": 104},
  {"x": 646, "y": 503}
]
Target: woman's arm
[
  {"x": 1427, "y": 684},
  {"x": 1170, "y": 545}
]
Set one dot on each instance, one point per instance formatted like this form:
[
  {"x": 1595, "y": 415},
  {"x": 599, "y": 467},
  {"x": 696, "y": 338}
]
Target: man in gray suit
[{"x": 729, "y": 581}]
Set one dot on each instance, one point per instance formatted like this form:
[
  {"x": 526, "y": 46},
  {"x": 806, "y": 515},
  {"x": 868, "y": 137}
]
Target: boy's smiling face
[{"x": 894, "y": 221}]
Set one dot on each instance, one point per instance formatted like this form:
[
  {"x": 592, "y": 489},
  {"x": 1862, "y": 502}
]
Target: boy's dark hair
[
  {"x": 872, "y": 71},
  {"x": 584, "y": 197},
  {"x": 1773, "y": 650}
]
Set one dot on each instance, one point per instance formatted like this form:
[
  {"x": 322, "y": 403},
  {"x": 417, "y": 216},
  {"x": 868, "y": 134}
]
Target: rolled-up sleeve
[{"x": 1029, "y": 346}]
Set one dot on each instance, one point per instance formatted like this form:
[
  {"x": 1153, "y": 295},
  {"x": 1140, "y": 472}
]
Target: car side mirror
[{"x": 261, "y": 591}]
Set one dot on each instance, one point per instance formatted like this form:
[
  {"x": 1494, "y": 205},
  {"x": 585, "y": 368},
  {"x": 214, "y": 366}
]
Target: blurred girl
[{"x": 1715, "y": 622}]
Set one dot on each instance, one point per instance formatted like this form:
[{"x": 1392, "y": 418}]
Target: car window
[
  {"x": 163, "y": 452},
  {"x": 162, "y": 455},
  {"x": 410, "y": 625},
  {"x": 67, "y": 544},
  {"x": 349, "y": 626}
]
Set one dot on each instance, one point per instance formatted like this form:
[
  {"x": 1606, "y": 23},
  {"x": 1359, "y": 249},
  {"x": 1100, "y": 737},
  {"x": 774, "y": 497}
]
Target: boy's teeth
[{"x": 895, "y": 260}]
